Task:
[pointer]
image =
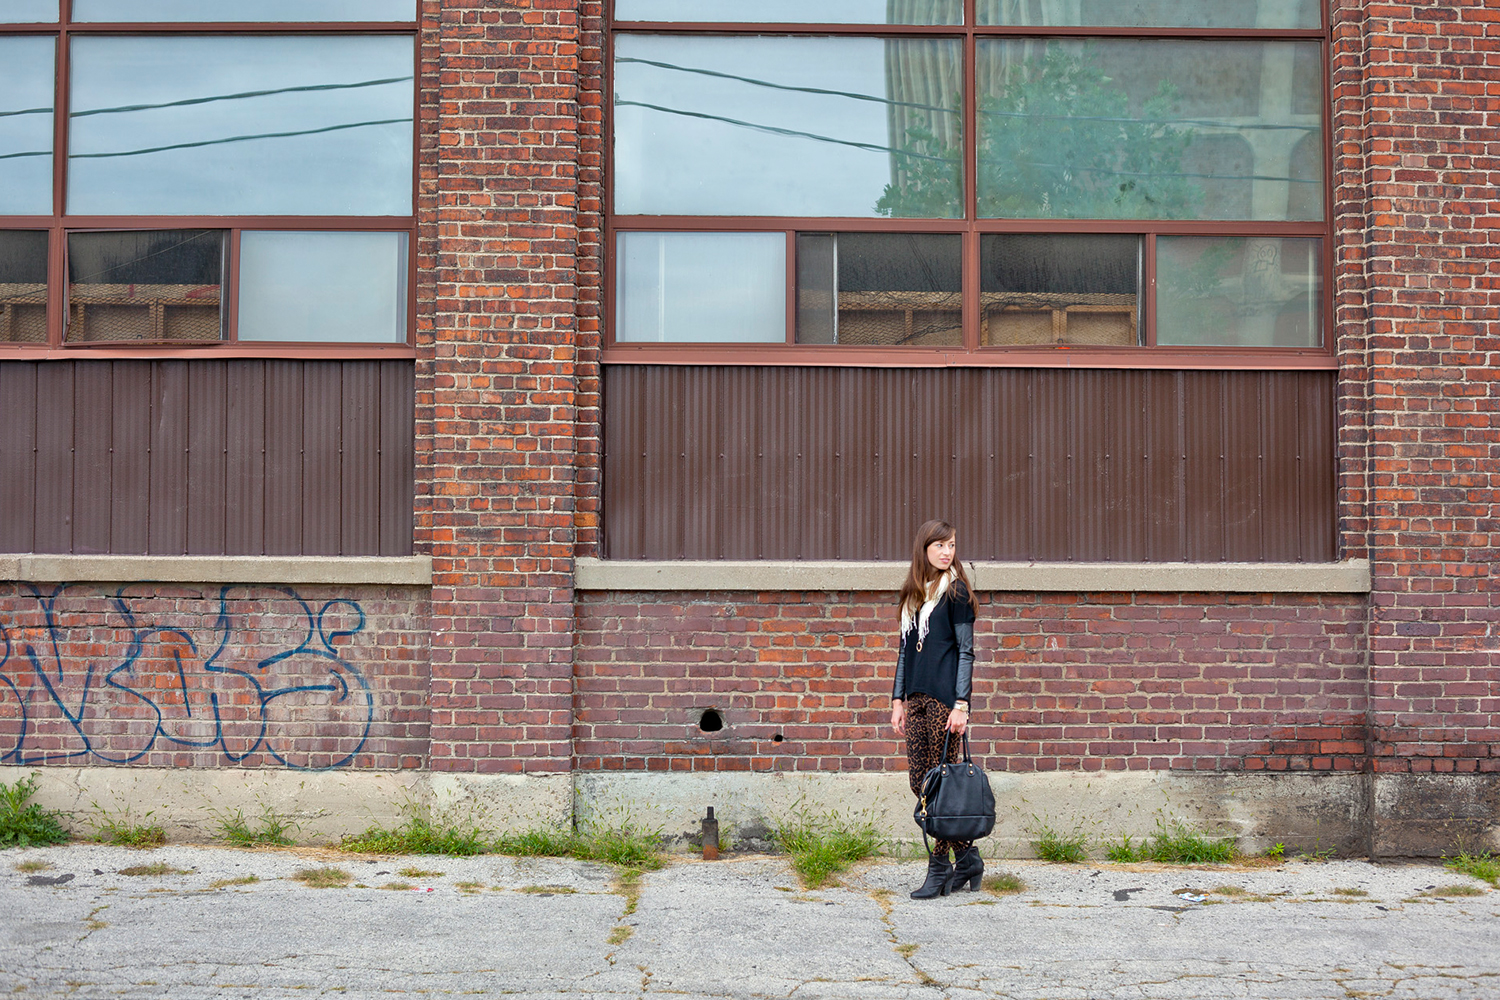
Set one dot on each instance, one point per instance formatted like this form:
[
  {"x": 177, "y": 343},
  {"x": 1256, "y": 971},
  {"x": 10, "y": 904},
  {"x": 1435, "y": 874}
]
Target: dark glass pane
[
  {"x": 26, "y": 123},
  {"x": 1060, "y": 289},
  {"x": 1239, "y": 291},
  {"x": 244, "y": 10},
  {"x": 163, "y": 285},
  {"x": 241, "y": 125},
  {"x": 788, "y": 126},
  {"x": 23, "y": 287},
  {"x": 1153, "y": 13},
  {"x": 1129, "y": 128},
  {"x": 794, "y": 11},
  {"x": 879, "y": 289}
]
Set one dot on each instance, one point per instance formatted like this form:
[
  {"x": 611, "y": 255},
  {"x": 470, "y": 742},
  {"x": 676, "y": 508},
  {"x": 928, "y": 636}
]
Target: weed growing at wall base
[
  {"x": 1484, "y": 866},
  {"x": 821, "y": 847},
  {"x": 24, "y": 824},
  {"x": 424, "y": 832},
  {"x": 1054, "y": 845},
  {"x": 121, "y": 831},
  {"x": 622, "y": 846},
  {"x": 1175, "y": 844},
  {"x": 273, "y": 830}
]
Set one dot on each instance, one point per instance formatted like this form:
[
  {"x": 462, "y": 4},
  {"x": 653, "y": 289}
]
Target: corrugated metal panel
[
  {"x": 1046, "y": 464},
  {"x": 207, "y": 457}
]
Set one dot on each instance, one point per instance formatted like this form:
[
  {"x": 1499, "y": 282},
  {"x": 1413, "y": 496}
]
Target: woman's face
[{"x": 940, "y": 554}]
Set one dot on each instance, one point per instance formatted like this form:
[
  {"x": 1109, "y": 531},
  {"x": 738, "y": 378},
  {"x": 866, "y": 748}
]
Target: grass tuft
[
  {"x": 1455, "y": 890},
  {"x": 1003, "y": 884},
  {"x": 1483, "y": 866},
  {"x": 23, "y": 824},
  {"x": 1175, "y": 844},
  {"x": 155, "y": 868},
  {"x": 1123, "y": 850},
  {"x": 412, "y": 871},
  {"x": 1234, "y": 890},
  {"x": 34, "y": 865},
  {"x": 822, "y": 847},
  {"x": 1349, "y": 891},
  {"x": 272, "y": 829},
  {"x": 424, "y": 832},
  {"x": 620, "y": 934},
  {"x": 225, "y": 883},
  {"x": 623, "y": 847},
  {"x": 323, "y": 878},
  {"x": 1054, "y": 845},
  {"x": 122, "y": 831},
  {"x": 398, "y": 886},
  {"x": 548, "y": 890}
]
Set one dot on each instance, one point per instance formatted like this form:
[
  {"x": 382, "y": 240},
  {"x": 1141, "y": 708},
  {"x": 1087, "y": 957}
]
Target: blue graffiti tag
[{"x": 214, "y": 702}]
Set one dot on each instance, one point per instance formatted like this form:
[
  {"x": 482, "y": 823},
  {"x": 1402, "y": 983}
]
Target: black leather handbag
[{"x": 956, "y": 801}]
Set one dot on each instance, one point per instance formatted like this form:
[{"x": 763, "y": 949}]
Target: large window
[
  {"x": 969, "y": 181},
  {"x": 207, "y": 174}
]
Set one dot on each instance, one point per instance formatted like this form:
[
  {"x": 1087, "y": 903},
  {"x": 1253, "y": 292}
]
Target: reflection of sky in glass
[
  {"x": 1153, "y": 13},
  {"x": 793, "y": 11},
  {"x": 26, "y": 78},
  {"x": 244, "y": 10},
  {"x": 238, "y": 148},
  {"x": 322, "y": 286},
  {"x": 27, "y": 11},
  {"x": 682, "y": 157}
]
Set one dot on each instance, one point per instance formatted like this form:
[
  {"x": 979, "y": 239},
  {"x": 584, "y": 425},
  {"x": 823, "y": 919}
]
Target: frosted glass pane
[
  {"x": 244, "y": 10},
  {"x": 247, "y": 125},
  {"x": 1153, "y": 13},
  {"x": 837, "y": 127},
  {"x": 27, "y": 80},
  {"x": 794, "y": 11},
  {"x": 1131, "y": 128},
  {"x": 27, "y": 11},
  {"x": 1239, "y": 291},
  {"x": 705, "y": 287},
  {"x": 323, "y": 287}
]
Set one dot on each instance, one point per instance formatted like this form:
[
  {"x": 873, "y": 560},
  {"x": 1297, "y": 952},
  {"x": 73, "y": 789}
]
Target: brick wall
[
  {"x": 189, "y": 676},
  {"x": 1431, "y": 142},
  {"x": 1066, "y": 682},
  {"x": 497, "y": 394}
]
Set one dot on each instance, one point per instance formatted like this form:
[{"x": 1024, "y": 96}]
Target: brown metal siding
[
  {"x": 235, "y": 457},
  {"x": 1044, "y": 464}
]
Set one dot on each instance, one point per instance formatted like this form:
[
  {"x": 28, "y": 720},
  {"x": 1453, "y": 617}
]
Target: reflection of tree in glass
[
  {"x": 1060, "y": 140},
  {"x": 929, "y": 181}
]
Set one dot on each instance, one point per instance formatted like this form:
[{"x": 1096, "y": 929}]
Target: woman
[{"x": 934, "y": 672}]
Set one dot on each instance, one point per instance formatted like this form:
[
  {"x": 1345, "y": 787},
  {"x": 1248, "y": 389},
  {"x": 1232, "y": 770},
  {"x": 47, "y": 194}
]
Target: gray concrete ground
[{"x": 192, "y": 921}]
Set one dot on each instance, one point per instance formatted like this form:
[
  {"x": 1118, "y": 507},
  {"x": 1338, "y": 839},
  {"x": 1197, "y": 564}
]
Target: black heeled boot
[
  {"x": 968, "y": 867},
  {"x": 939, "y": 878}
]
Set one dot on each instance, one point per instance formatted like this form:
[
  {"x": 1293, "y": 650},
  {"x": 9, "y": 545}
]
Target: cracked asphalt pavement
[{"x": 193, "y": 921}]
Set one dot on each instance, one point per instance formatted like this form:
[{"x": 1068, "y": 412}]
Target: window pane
[
  {"x": 28, "y": 77},
  {"x": 788, "y": 126},
  {"x": 1154, "y": 13},
  {"x": 721, "y": 287},
  {"x": 1239, "y": 291},
  {"x": 879, "y": 289},
  {"x": 244, "y": 10},
  {"x": 250, "y": 125},
  {"x": 27, "y": 11},
  {"x": 794, "y": 11},
  {"x": 23, "y": 287},
  {"x": 1149, "y": 129},
  {"x": 163, "y": 285},
  {"x": 1061, "y": 289},
  {"x": 323, "y": 286}
]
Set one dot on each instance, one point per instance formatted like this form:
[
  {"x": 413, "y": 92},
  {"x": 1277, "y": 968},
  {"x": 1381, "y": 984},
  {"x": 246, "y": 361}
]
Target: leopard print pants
[{"x": 926, "y": 724}]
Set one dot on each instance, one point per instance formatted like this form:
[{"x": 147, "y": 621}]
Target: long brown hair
[{"x": 923, "y": 573}]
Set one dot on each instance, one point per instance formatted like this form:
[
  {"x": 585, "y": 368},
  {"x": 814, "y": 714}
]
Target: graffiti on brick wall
[{"x": 249, "y": 675}]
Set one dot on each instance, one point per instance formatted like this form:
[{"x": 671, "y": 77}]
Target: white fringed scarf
[{"x": 907, "y": 622}]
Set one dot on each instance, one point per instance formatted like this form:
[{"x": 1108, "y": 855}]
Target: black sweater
[{"x": 944, "y": 667}]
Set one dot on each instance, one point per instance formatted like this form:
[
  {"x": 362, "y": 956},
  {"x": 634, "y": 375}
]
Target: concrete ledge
[
  {"x": 393, "y": 570},
  {"x": 1350, "y": 577}
]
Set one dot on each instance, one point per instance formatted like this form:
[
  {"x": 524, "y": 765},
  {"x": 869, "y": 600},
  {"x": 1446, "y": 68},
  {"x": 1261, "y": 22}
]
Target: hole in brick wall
[
  {"x": 777, "y": 738},
  {"x": 710, "y": 722}
]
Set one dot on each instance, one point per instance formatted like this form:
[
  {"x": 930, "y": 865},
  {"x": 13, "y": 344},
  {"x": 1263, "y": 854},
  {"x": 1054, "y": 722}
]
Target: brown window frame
[
  {"x": 59, "y": 224},
  {"x": 971, "y": 227}
]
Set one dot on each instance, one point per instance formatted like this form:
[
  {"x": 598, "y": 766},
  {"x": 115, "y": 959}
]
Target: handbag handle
[{"x": 947, "y": 735}]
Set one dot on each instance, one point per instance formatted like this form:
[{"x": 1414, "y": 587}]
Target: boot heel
[{"x": 974, "y": 882}]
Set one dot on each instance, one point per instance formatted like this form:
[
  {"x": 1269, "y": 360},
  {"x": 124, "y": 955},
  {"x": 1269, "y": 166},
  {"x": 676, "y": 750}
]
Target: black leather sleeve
[
  {"x": 965, "y": 636},
  {"x": 898, "y": 689}
]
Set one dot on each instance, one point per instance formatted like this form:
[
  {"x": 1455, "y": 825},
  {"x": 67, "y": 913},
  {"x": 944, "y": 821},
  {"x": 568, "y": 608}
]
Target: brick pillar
[
  {"x": 1432, "y": 146},
  {"x": 497, "y": 383}
]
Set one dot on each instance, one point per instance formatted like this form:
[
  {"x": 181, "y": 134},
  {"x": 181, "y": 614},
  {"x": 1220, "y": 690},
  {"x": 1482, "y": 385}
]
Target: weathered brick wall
[
  {"x": 1431, "y": 141},
  {"x": 1066, "y": 682},
  {"x": 497, "y": 383},
  {"x": 194, "y": 676}
]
